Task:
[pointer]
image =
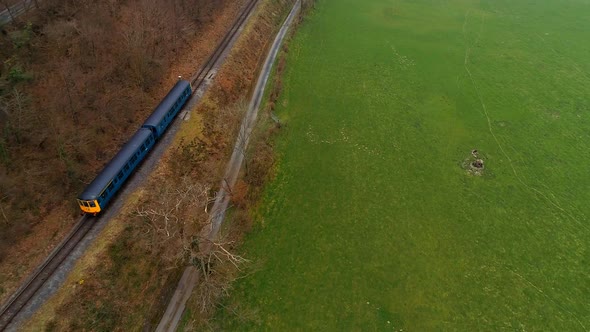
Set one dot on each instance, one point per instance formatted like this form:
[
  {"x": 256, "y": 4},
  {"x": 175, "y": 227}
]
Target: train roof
[
  {"x": 94, "y": 189},
  {"x": 166, "y": 104}
]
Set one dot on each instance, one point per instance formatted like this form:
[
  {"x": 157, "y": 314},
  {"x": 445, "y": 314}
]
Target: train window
[
  {"x": 92, "y": 204},
  {"x": 115, "y": 181},
  {"x": 143, "y": 147},
  {"x": 120, "y": 175},
  {"x": 126, "y": 167},
  {"x": 133, "y": 159},
  {"x": 104, "y": 195},
  {"x": 111, "y": 187}
]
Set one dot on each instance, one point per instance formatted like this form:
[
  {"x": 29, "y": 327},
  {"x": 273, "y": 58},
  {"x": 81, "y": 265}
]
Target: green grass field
[{"x": 374, "y": 223}]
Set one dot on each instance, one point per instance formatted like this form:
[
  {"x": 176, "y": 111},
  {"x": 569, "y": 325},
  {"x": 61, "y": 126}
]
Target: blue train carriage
[
  {"x": 103, "y": 188},
  {"x": 168, "y": 108}
]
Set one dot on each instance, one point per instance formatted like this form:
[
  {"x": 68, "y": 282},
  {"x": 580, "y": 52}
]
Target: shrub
[{"x": 17, "y": 74}]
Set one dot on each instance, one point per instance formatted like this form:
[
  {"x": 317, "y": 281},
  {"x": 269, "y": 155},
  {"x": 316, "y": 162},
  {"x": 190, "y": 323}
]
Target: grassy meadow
[{"x": 374, "y": 221}]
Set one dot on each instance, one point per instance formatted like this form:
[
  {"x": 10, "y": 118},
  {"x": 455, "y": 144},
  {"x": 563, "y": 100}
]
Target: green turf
[{"x": 372, "y": 223}]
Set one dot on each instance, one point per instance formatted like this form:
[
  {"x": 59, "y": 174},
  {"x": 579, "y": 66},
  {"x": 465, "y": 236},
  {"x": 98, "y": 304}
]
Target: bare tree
[
  {"x": 177, "y": 218},
  {"x": 68, "y": 82},
  {"x": 217, "y": 279},
  {"x": 19, "y": 116},
  {"x": 176, "y": 221},
  {"x": 134, "y": 37}
]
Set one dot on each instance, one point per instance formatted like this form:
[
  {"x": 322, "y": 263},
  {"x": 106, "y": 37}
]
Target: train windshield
[{"x": 87, "y": 203}]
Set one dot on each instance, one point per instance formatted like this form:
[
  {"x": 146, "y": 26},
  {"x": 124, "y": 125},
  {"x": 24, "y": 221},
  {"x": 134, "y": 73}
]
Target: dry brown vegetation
[
  {"x": 77, "y": 78},
  {"x": 129, "y": 286},
  {"x": 258, "y": 169}
]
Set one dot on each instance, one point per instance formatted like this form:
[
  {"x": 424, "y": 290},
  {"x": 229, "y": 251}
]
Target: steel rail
[
  {"x": 199, "y": 78},
  {"x": 22, "y": 296}
]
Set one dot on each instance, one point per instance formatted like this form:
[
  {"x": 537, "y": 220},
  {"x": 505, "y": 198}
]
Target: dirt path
[
  {"x": 184, "y": 289},
  {"x": 237, "y": 157}
]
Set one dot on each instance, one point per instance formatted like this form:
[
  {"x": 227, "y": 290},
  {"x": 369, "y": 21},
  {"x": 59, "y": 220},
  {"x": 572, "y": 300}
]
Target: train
[{"x": 109, "y": 181}]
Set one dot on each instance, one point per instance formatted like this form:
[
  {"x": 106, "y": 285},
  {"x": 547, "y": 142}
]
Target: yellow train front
[{"x": 90, "y": 207}]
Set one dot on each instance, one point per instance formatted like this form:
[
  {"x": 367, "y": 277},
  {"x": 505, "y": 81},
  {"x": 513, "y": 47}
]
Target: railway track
[
  {"x": 28, "y": 290},
  {"x": 24, "y": 294},
  {"x": 206, "y": 70},
  {"x": 14, "y": 11}
]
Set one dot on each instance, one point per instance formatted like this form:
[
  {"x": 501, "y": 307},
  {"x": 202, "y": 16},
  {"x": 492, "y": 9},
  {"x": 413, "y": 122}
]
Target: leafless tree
[
  {"x": 217, "y": 277},
  {"x": 67, "y": 83},
  {"x": 19, "y": 116},
  {"x": 134, "y": 37},
  {"x": 176, "y": 221},
  {"x": 176, "y": 218},
  {"x": 5, "y": 218}
]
